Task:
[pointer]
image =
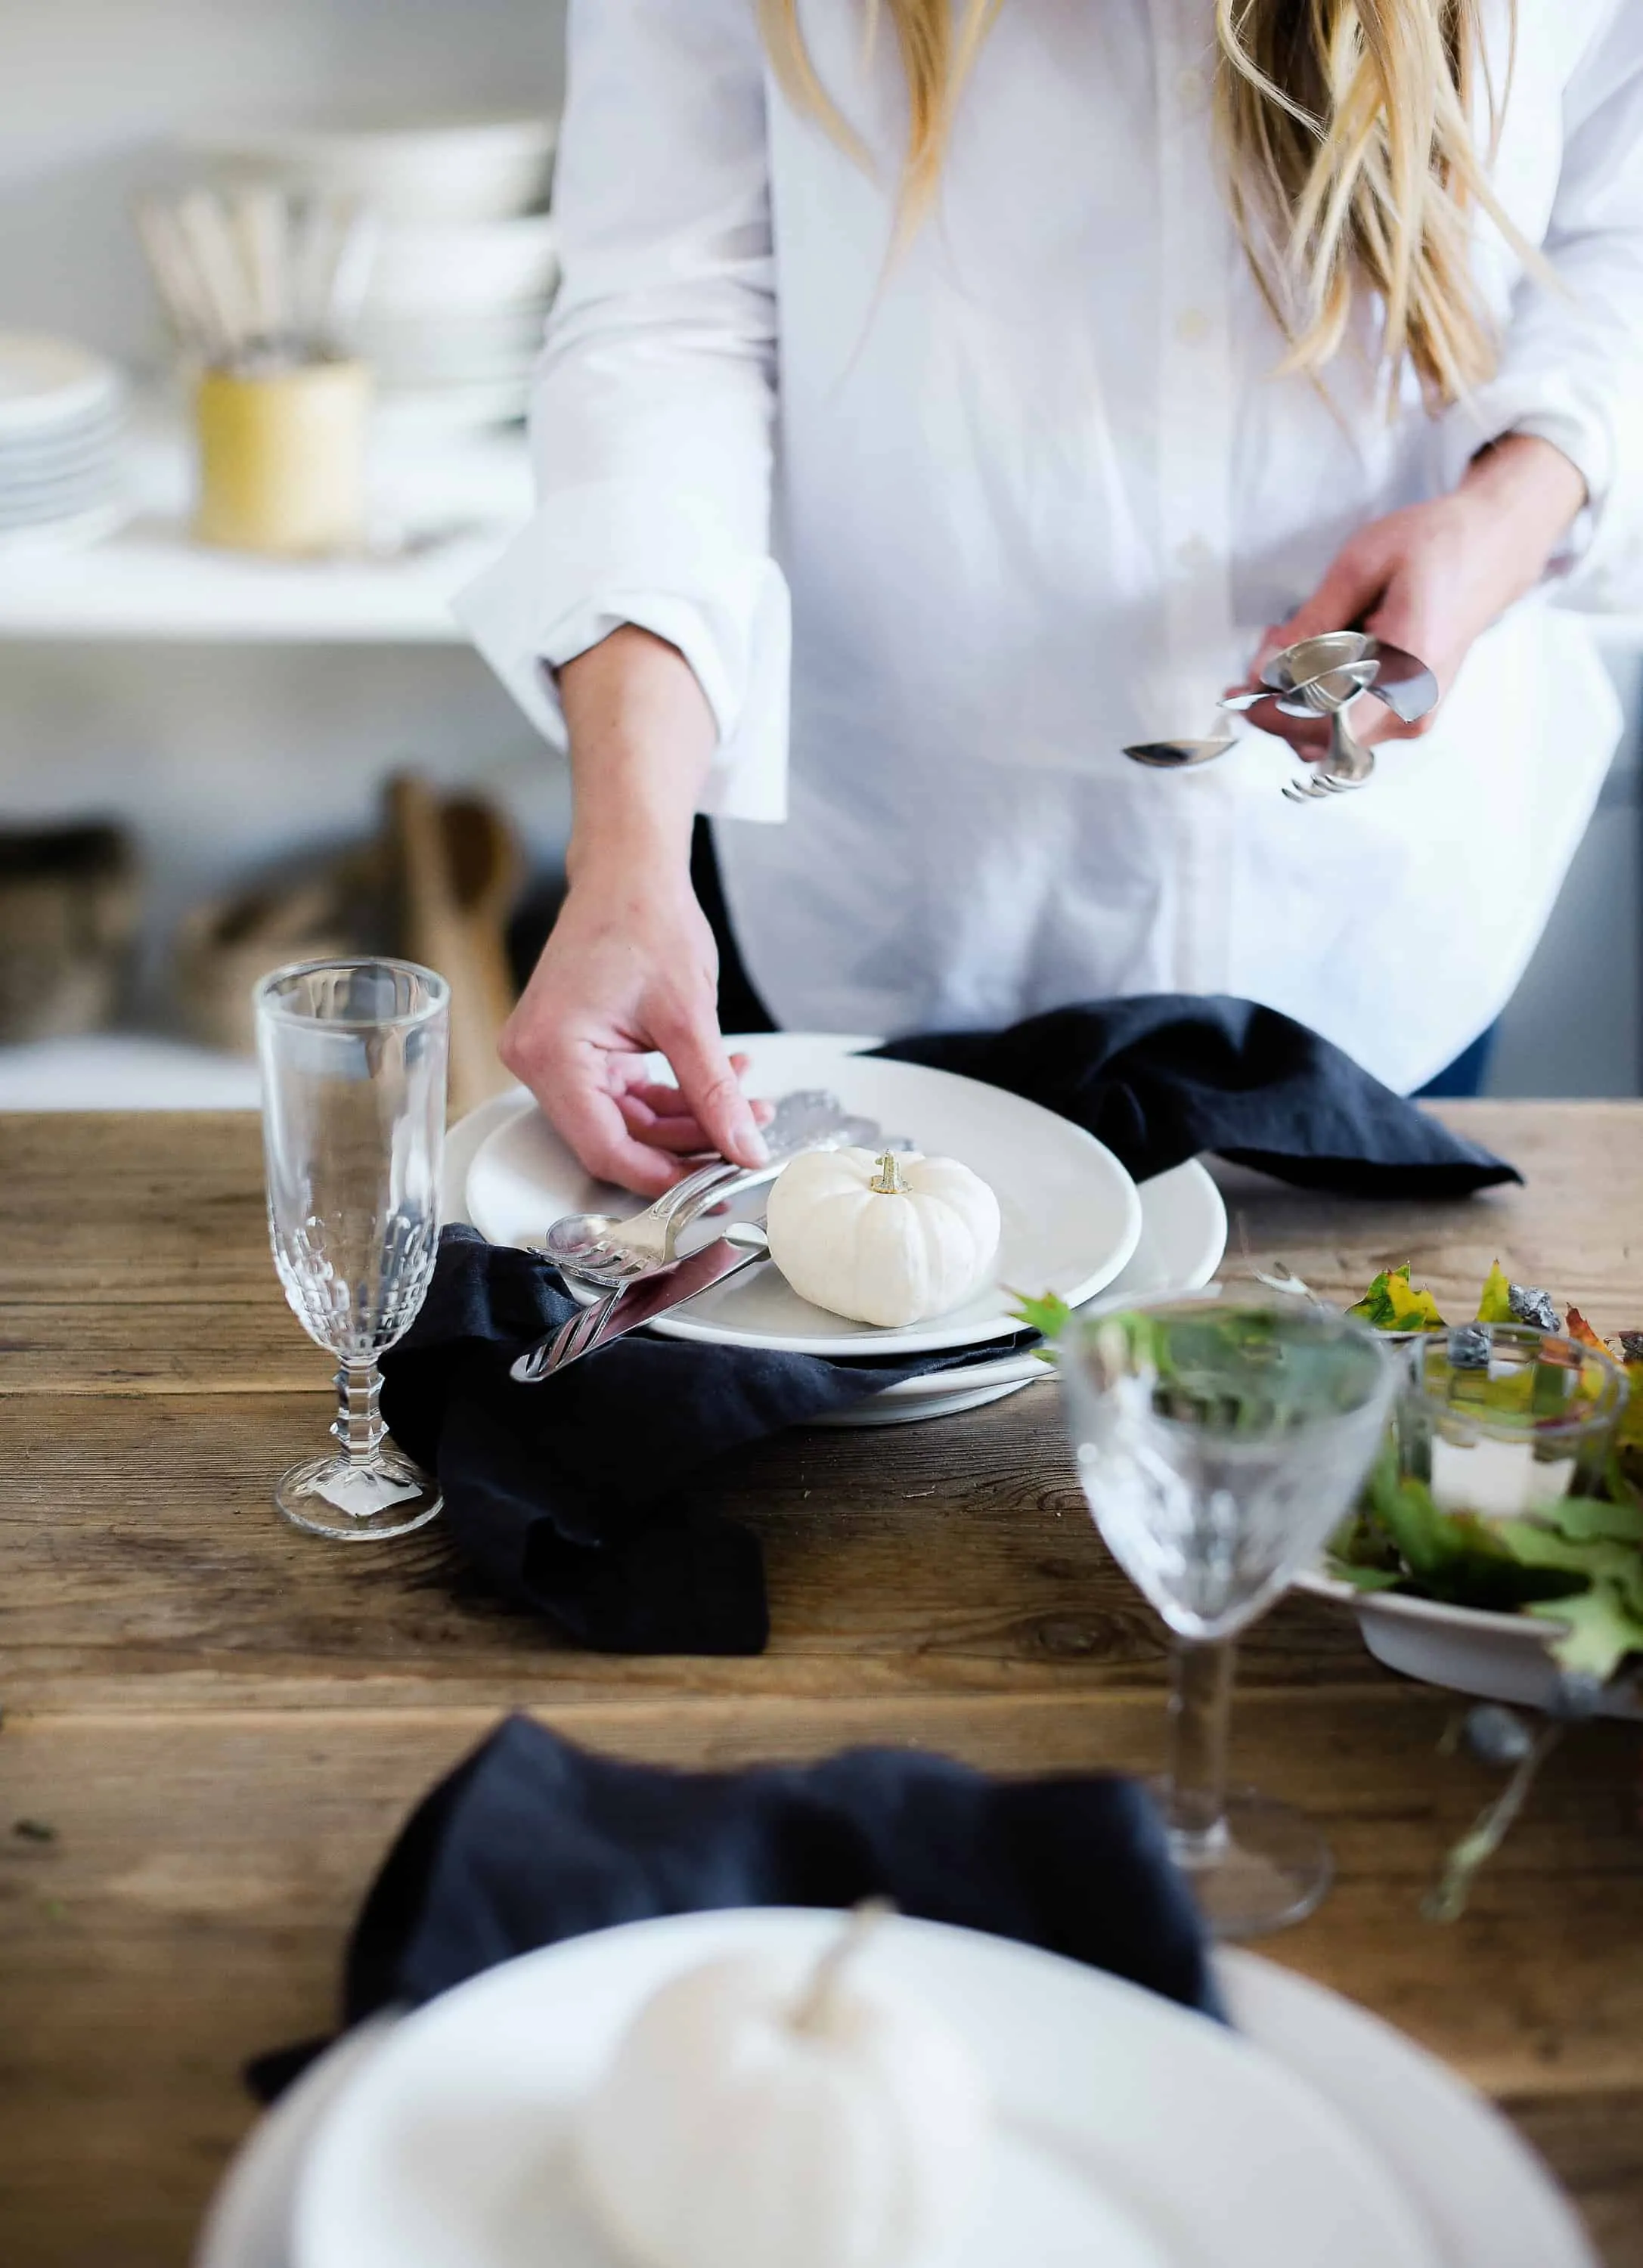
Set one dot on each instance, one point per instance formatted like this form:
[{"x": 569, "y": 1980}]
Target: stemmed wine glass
[
  {"x": 1218, "y": 1442},
  {"x": 353, "y": 1056}
]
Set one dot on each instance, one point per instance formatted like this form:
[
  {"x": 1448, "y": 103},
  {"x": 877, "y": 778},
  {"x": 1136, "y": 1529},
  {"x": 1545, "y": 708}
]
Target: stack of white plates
[
  {"x": 62, "y": 417},
  {"x": 1073, "y": 1221},
  {"x": 466, "y": 264},
  {"x": 1131, "y": 2132}
]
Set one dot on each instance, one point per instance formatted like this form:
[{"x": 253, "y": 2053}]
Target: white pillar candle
[{"x": 1498, "y": 1480}]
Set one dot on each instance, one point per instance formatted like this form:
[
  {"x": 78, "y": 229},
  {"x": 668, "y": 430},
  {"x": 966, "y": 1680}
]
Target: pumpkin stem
[
  {"x": 816, "y": 2002},
  {"x": 888, "y": 1181}
]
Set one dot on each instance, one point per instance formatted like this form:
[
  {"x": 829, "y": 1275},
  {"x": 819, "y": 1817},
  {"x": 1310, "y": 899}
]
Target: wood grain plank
[
  {"x": 164, "y": 1213},
  {"x": 131, "y": 1207},
  {"x": 210, "y": 1346},
  {"x": 191, "y": 1907},
  {"x": 144, "y": 1566}
]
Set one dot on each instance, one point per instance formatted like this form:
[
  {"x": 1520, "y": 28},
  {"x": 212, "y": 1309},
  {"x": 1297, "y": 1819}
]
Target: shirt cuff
[
  {"x": 600, "y": 558},
  {"x": 1551, "y": 409}
]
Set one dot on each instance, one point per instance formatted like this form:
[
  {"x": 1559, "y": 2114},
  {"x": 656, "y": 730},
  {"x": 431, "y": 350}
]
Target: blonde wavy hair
[{"x": 1352, "y": 163}]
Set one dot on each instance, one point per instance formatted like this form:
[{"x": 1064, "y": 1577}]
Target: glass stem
[
  {"x": 359, "y": 1425},
  {"x": 1196, "y": 1801}
]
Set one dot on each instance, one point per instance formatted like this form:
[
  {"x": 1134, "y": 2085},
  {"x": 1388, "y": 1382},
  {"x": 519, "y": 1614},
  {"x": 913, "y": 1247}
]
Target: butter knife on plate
[{"x": 743, "y": 1245}]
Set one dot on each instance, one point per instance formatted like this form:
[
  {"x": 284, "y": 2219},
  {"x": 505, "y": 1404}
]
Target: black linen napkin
[
  {"x": 566, "y": 1496},
  {"x": 1161, "y": 1078},
  {"x": 530, "y": 1840}
]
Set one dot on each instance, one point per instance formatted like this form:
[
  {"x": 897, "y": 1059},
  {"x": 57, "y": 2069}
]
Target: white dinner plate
[
  {"x": 1184, "y": 1236},
  {"x": 1070, "y": 1214},
  {"x": 1131, "y": 2132},
  {"x": 1485, "y": 2197}
]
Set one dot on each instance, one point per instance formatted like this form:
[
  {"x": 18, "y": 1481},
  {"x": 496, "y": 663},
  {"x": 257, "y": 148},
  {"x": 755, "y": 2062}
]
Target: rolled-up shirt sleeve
[
  {"x": 1571, "y": 362},
  {"x": 654, "y": 409}
]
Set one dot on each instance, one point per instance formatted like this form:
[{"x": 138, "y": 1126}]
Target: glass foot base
[
  {"x": 1267, "y": 1866},
  {"x": 358, "y": 1501}
]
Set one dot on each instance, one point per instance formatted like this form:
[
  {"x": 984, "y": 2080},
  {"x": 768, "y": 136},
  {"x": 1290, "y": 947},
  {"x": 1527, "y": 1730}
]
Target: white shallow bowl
[
  {"x": 457, "y": 170},
  {"x": 1131, "y": 2132},
  {"x": 1072, "y": 1217},
  {"x": 1495, "y": 1657},
  {"x": 452, "y": 269}
]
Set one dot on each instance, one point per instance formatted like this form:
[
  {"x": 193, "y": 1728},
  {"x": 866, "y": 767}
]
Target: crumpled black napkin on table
[
  {"x": 566, "y": 1496},
  {"x": 1165, "y": 1076},
  {"x": 531, "y": 1840}
]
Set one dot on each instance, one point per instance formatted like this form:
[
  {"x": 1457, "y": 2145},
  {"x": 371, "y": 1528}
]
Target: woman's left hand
[{"x": 1432, "y": 576}]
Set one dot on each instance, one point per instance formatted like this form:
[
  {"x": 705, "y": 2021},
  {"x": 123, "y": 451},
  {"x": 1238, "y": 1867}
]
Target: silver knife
[{"x": 743, "y": 1245}]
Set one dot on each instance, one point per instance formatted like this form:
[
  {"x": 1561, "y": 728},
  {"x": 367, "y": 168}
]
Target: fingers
[
  {"x": 712, "y": 1088},
  {"x": 591, "y": 1123},
  {"x": 571, "y": 1079}
]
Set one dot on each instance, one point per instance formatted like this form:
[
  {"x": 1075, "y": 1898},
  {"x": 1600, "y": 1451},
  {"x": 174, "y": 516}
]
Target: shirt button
[
  {"x": 1194, "y": 553},
  {"x": 1192, "y": 328},
  {"x": 1190, "y": 87}
]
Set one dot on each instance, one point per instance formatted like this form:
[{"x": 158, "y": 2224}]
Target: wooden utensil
[{"x": 459, "y": 870}]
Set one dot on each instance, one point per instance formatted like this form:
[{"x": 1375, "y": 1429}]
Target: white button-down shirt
[{"x": 941, "y": 530}]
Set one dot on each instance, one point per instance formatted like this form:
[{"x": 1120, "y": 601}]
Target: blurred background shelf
[{"x": 444, "y": 508}]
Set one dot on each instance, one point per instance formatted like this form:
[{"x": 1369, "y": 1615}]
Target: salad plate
[
  {"x": 452, "y": 2147},
  {"x": 1431, "y": 1571},
  {"x": 1495, "y": 1657},
  {"x": 1071, "y": 1218}
]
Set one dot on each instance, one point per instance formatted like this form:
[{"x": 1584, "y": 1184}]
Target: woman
[{"x": 1045, "y": 363}]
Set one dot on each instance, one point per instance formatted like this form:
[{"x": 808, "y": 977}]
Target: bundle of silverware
[{"x": 260, "y": 278}]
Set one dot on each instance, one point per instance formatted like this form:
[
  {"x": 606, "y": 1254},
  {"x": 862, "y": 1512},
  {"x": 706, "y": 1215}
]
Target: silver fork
[{"x": 586, "y": 1243}]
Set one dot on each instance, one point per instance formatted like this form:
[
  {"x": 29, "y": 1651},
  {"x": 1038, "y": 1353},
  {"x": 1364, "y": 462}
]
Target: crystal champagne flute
[
  {"x": 1218, "y": 1442},
  {"x": 353, "y": 1057}
]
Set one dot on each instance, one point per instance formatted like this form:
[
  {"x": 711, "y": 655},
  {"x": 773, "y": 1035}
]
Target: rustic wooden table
[{"x": 213, "y": 1724}]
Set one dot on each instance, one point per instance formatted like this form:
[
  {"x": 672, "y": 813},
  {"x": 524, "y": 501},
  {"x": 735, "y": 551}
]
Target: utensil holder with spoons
[{"x": 262, "y": 290}]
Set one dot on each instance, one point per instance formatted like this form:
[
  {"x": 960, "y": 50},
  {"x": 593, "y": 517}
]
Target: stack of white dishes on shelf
[
  {"x": 464, "y": 265},
  {"x": 61, "y": 422}
]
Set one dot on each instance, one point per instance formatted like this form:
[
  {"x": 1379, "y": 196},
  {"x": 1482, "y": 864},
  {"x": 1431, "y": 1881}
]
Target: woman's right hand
[{"x": 631, "y": 969}]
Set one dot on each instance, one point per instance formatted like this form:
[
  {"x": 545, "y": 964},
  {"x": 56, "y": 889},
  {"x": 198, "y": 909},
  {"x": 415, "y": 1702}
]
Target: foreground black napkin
[
  {"x": 1162, "y": 1077},
  {"x": 530, "y": 1840},
  {"x": 566, "y": 1496}
]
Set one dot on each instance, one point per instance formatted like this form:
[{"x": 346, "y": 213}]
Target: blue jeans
[{"x": 1465, "y": 1076}]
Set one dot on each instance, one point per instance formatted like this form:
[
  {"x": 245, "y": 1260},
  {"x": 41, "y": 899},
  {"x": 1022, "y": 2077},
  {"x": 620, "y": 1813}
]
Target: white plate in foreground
[
  {"x": 1131, "y": 2132},
  {"x": 1072, "y": 1217},
  {"x": 1478, "y": 2186}
]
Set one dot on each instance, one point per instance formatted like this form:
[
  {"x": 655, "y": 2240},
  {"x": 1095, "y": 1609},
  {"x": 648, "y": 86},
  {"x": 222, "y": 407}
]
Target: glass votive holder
[{"x": 1503, "y": 1421}]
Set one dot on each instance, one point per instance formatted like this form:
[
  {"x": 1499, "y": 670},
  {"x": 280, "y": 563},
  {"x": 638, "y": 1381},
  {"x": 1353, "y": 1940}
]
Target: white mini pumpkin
[
  {"x": 757, "y": 2114},
  {"x": 884, "y": 1239}
]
